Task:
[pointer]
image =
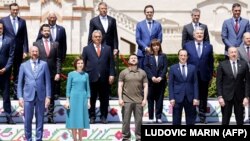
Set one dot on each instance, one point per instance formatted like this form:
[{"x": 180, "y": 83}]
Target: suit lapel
[
  {"x": 179, "y": 71},
  {"x": 93, "y": 50},
  {"x": 19, "y": 24},
  {"x": 42, "y": 47},
  {"x": 191, "y": 29},
  {"x": 9, "y": 24},
  {"x": 244, "y": 53},
  {"x": 145, "y": 26},
  {"x": 229, "y": 67},
  {"x": 109, "y": 23},
  {"x": 57, "y": 32},
  {"x": 99, "y": 23},
  {"x": 38, "y": 68}
]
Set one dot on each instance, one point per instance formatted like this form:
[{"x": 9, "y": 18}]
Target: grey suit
[
  {"x": 187, "y": 33},
  {"x": 243, "y": 54}
]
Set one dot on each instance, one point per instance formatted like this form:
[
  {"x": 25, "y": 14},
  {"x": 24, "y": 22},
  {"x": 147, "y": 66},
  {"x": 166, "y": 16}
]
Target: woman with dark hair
[
  {"x": 78, "y": 94},
  {"x": 155, "y": 65}
]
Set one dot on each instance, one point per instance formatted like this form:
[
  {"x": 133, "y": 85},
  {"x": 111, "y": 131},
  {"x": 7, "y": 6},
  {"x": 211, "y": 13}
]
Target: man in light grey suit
[
  {"x": 244, "y": 54},
  {"x": 187, "y": 32},
  {"x": 33, "y": 92},
  {"x": 234, "y": 28}
]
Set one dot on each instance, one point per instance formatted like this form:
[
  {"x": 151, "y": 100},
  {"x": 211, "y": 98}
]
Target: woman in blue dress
[{"x": 78, "y": 94}]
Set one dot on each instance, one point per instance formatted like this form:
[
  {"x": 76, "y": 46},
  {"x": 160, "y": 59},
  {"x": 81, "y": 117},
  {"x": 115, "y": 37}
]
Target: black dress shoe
[
  {"x": 15, "y": 97},
  {"x": 51, "y": 120},
  {"x": 104, "y": 120},
  {"x": 92, "y": 121},
  {"x": 203, "y": 120},
  {"x": 56, "y": 97},
  {"x": 10, "y": 120}
]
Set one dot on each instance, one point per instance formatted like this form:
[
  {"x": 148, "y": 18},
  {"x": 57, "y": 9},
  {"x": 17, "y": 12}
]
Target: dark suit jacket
[
  {"x": 228, "y": 86},
  {"x": 20, "y": 39},
  {"x": 179, "y": 87},
  {"x": 98, "y": 67},
  {"x": 61, "y": 38},
  {"x": 6, "y": 53},
  {"x": 152, "y": 69},
  {"x": 110, "y": 37},
  {"x": 204, "y": 64},
  {"x": 187, "y": 33},
  {"x": 228, "y": 34},
  {"x": 53, "y": 60}
]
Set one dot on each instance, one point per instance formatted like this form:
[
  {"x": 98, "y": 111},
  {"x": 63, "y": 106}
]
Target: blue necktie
[
  {"x": 183, "y": 72},
  {"x": 199, "y": 50}
]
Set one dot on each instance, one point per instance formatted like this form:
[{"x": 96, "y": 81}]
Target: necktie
[
  {"x": 34, "y": 69},
  {"x": 149, "y": 27},
  {"x": 199, "y": 50},
  {"x": 236, "y": 26},
  {"x": 98, "y": 50},
  {"x": 47, "y": 47},
  {"x": 248, "y": 53},
  {"x": 1, "y": 43},
  {"x": 234, "y": 70},
  {"x": 196, "y": 25},
  {"x": 14, "y": 24},
  {"x": 53, "y": 33},
  {"x": 183, "y": 72}
]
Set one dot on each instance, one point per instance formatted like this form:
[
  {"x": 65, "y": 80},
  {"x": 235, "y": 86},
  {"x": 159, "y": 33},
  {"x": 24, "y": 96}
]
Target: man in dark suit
[
  {"x": 107, "y": 25},
  {"x": 234, "y": 28},
  {"x": 34, "y": 92},
  {"x": 201, "y": 56},
  {"x": 244, "y": 54},
  {"x": 99, "y": 64},
  {"x": 15, "y": 28},
  {"x": 183, "y": 89},
  {"x": 147, "y": 30},
  {"x": 58, "y": 34},
  {"x": 187, "y": 32},
  {"x": 49, "y": 52},
  {"x": 6, "y": 61},
  {"x": 232, "y": 87}
]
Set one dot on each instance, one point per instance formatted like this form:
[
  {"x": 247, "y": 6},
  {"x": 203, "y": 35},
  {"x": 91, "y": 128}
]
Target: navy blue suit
[
  {"x": 183, "y": 91},
  {"x": 144, "y": 38},
  {"x": 204, "y": 66},
  {"x": 99, "y": 70},
  {"x": 6, "y": 61},
  {"x": 156, "y": 90},
  {"x": 20, "y": 40},
  {"x": 110, "y": 37}
]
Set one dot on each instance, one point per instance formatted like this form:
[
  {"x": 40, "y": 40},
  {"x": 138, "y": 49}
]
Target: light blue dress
[{"x": 78, "y": 92}]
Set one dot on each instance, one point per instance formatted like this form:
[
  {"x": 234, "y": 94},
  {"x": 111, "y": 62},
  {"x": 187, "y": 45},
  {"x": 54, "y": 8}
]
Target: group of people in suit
[{"x": 37, "y": 81}]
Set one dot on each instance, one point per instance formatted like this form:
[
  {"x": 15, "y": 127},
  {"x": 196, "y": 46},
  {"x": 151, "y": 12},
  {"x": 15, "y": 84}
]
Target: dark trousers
[
  {"x": 127, "y": 111},
  {"x": 190, "y": 112},
  {"x": 155, "y": 99},
  {"x": 99, "y": 89},
  {"x": 5, "y": 88},
  {"x": 52, "y": 99},
  {"x": 141, "y": 62},
  {"x": 203, "y": 94},
  {"x": 18, "y": 59},
  {"x": 227, "y": 111}
]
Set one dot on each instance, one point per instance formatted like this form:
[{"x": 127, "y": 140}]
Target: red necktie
[
  {"x": 98, "y": 50},
  {"x": 47, "y": 47},
  {"x": 236, "y": 26}
]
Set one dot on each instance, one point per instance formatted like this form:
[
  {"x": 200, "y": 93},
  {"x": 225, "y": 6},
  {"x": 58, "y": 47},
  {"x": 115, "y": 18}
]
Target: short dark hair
[
  {"x": 44, "y": 25},
  {"x": 76, "y": 60},
  {"x": 236, "y": 5},
  {"x": 148, "y": 6},
  {"x": 182, "y": 50},
  {"x": 13, "y": 4},
  {"x": 156, "y": 42},
  {"x": 131, "y": 55}
]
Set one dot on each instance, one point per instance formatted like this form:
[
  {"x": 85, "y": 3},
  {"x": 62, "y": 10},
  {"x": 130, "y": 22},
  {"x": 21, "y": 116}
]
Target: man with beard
[{"x": 49, "y": 53}]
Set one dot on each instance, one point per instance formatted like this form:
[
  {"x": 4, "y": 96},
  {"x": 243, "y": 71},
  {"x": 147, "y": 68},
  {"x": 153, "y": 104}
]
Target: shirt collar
[
  {"x": 183, "y": 64},
  {"x": 34, "y": 61},
  {"x": 196, "y": 43},
  {"x": 103, "y": 17},
  {"x": 47, "y": 39}
]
